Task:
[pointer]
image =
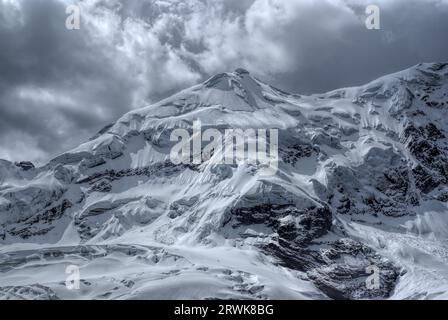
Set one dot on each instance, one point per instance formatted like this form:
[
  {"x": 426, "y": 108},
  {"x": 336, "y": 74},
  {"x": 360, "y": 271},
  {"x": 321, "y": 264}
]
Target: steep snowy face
[{"x": 361, "y": 187}]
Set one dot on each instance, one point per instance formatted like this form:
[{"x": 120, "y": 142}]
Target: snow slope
[{"x": 362, "y": 182}]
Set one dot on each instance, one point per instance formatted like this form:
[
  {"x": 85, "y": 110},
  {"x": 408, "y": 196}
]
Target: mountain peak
[
  {"x": 224, "y": 80},
  {"x": 354, "y": 166},
  {"x": 241, "y": 71}
]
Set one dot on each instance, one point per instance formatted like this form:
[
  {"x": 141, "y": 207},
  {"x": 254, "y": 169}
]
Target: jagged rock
[
  {"x": 41, "y": 223},
  {"x": 181, "y": 206},
  {"x": 424, "y": 180},
  {"x": 293, "y": 153},
  {"x": 341, "y": 277},
  {"x": 298, "y": 225},
  {"x": 25, "y": 165},
  {"x": 102, "y": 186},
  {"x": 31, "y": 292}
]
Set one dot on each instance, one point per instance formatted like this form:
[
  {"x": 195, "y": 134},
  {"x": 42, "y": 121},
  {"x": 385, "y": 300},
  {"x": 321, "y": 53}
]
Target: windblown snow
[{"x": 362, "y": 182}]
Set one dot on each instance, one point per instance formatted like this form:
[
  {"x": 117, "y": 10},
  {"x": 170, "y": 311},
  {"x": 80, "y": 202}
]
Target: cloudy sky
[{"x": 58, "y": 87}]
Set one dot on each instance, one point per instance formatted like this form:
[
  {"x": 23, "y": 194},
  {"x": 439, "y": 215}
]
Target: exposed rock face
[
  {"x": 41, "y": 223},
  {"x": 341, "y": 277},
  {"x": 25, "y": 165},
  {"x": 31, "y": 292},
  {"x": 361, "y": 187},
  {"x": 286, "y": 221}
]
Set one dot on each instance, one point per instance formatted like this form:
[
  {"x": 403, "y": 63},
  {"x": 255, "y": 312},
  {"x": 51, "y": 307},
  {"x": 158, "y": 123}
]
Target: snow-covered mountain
[{"x": 361, "y": 184}]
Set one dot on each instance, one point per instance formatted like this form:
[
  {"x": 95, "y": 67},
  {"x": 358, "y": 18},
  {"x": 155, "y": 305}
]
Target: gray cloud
[{"x": 58, "y": 87}]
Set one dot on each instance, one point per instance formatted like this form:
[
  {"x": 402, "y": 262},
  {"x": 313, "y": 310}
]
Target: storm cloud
[{"x": 60, "y": 86}]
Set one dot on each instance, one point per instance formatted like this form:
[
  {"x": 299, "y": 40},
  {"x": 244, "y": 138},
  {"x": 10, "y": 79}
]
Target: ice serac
[{"x": 357, "y": 209}]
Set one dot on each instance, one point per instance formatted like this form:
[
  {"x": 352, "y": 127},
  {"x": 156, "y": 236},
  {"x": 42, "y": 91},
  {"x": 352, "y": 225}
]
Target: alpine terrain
[{"x": 356, "y": 210}]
